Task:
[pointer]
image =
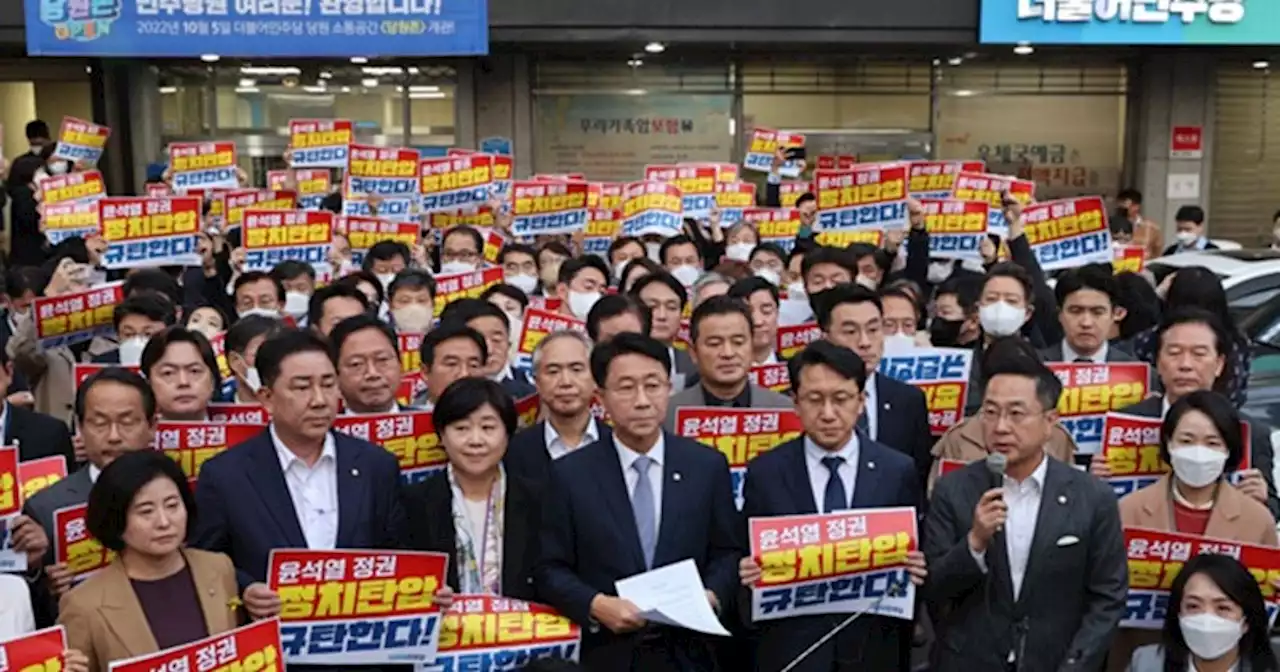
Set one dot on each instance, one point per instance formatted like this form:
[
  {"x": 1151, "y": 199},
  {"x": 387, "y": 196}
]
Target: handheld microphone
[{"x": 997, "y": 464}]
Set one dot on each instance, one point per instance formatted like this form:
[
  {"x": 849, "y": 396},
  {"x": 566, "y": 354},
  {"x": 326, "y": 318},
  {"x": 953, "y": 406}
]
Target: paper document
[{"x": 673, "y": 595}]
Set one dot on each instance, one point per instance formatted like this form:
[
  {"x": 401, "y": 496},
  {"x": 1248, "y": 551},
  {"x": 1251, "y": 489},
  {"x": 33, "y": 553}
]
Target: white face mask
[
  {"x": 1186, "y": 238},
  {"x": 1001, "y": 318},
  {"x": 866, "y": 282},
  {"x": 770, "y": 275},
  {"x": 654, "y": 251},
  {"x": 515, "y": 323},
  {"x": 1197, "y": 466},
  {"x": 59, "y": 168},
  {"x": 385, "y": 279},
  {"x": 252, "y": 380},
  {"x": 581, "y": 303},
  {"x": 452, "y": 267},
  {"x": 619, "y": 269},
  {"x": 687, "y": 275},
  {"x": 522, "y": 282},
  {"x": 1210, "y": 636},
  {"x": 265, "y": 312},
  {"x": 131, "y": 350},
  {"x": 296, "y": 304},
  {"x": 739, "y": 251},
  {"x": 899, "y": 344},
  {"x": 414, "y": 318},
  {"x": 794, "y": 310},
  {"x": 795, "y": 290},
  {"x": 939, "y": 271}
]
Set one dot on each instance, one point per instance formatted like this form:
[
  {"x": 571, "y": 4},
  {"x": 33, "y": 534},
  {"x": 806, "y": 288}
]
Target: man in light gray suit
[
  {"x": 1027, "y": 569},
  {"x": 720, "y": 331}
]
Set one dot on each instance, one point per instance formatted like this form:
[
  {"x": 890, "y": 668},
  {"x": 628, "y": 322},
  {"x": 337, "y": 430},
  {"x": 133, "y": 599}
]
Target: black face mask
[{"x": 945, "y": 333}]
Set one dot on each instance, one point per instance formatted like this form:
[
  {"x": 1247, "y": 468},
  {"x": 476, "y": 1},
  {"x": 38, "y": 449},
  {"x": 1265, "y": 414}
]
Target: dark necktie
[
  {"x": 835, "y": 498},
  {"x": 864, "y": 425},
  {"x": 1083, "y": 360}
]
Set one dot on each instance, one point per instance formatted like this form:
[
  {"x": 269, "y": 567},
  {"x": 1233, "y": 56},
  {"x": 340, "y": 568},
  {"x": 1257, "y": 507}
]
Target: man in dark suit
[
  {"x": 1090, "y": 316},
  {"x": 895, "y": 414},
  {"x": 298, "y": 484},
  {"x": 562, "y": 370},
  {"x": 796, "y": 478},
  {"x": 665, "y": 298},
  {"x": 638, "y": 501},
  {"x": 1027, "y": 571},
  {"x": 37, "y": 435},
  {"x": 488, "y": 319},
  {"x": 366, "y": 355},
  {"x": 1191, "y": 347}
]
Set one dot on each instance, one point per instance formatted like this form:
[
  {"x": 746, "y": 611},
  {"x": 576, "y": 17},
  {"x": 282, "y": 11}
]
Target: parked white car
[{"x": 1250, "y": 277}]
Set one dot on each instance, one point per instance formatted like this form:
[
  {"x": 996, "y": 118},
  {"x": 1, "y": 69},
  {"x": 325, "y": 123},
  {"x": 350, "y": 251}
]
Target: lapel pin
[
  {"x": 1062, "y": 499},
  {"x": 675, "y": 476},
  {"x": 355, "y": 472},
  {"x": 871, "y": 465}
]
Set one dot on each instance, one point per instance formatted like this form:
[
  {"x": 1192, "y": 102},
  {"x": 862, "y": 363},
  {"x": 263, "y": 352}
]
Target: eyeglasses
[
  {"x": 1015, "y": 416},
  {"x": 652, "y": 389}
]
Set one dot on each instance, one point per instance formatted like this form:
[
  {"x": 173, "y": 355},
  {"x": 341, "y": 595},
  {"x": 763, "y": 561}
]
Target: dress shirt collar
[
  {"x": 1036, "y": 479},
  {"x": 94, "y": 472},
  {"x": 4, "y": 418},
  {"x": 504, "y": 374},
  {"x": 743, "y": 400},
  {"x": 1164, "y": 406},
  {"x": 394, "y": 408},
  {"x": 771, "y": 359},
  {"x": 1070, "y": 355},
  {"x": 288, "y": 458},
  {"x": 849, "y": 451},
  {"x": 628, "y": 456},
  {"x": 590, "y": 435}
]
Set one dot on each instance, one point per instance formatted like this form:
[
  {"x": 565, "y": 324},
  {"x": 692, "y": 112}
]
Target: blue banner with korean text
[{"x": 257, "y": 28}]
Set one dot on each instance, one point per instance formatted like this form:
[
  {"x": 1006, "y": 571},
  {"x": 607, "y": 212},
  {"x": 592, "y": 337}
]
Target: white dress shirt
[
  {"x": 1070, "y": 355},
  {"x": 771, "y": 359},
  {"x": 628, "y": 457},
  {"x": 314, "y": 491},
  {"x": 556, "y": 446},
  {"x": 94, "y": 472},
  {"x": 393, "y": 408},
  {"x": 16, "y": 615},
  {"x": 819, "y": 474},
  {"x": 4, "y": 418},
  {"x": 870, "y": 408},
  {"x": 1023, "y": 500}
]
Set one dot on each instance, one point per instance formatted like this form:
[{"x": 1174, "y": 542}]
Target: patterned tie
[
  {"x": 835, "y": 498},
  {"x": 643, "y": 507}
]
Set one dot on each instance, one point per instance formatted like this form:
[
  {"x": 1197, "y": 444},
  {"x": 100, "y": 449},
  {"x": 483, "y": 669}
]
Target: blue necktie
[
  {"x": 835, "y": 498},
  {"x": 643, "y": 508}
]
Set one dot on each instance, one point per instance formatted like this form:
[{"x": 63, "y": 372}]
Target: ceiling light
[
  {"x": 964, "y": 93},
  {"x": 635, "y": 92},
  {"x": 1024, "y": 49},
  {"x": 970, "y": 55},
  {"x": 427, "y": 95},
  {"x": 209, "y": 58},
  {"x": 1261, "y": 65},
  {"x": 937, "y": 61},
  {"x": 246, "y": 89},
  {"x": 270, "y": 70},
  {"x": 346, "y": 89},
  {"x": 413, "y": 70},
  {"x": 359, "y": 60},
  {"x": 955, "y": 60},
  {"x": 635, "y": 62},
  {"x": 655, "y": 47},
  {"x": 382, "y": 71},
  {"x": 248, "y": 83},
  {"x": 168, "y": 89},
  {"x": 325, "y": 74},
  {"x": 315, "y": 89},
  {"x": 423, "y": 88},
  {"x": 369, "y": 82}
]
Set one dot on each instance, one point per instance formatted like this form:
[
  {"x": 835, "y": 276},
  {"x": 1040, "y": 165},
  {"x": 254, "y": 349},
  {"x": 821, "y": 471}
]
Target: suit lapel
[
  {"x": 215, "y": 605},
  {"x": 351, "y": 495},
  {"x": 867, "y": 478},
  {"x": 613, "y": 490},
  {"x": 270, "y": 485},
  {"x": 514, "y": 533},
  {"x": 438, "y": 518},
  {"x": 123, "y": 614},
  {"x": 672, "y": 506},
  {"x": 884, "y": 408},
  {"x": 798, "y": 480}
]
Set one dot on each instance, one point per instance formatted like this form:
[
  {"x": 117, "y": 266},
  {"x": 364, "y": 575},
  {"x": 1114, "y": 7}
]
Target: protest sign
[
  {"x": 455, "y": 182},
  {"x": 1090, "y": 391},
  {"x": 871, "y": 196},
  {"x": 10, "y": 483},
  {"x": 82, "y": 370},
  {"x": 202, "y": 165},
  {"x": 364, "y": 232},
  {"x": 236, "y": 203},
  {"x": 387, "y": 172},
  {"x": 81, "y": 187},
  {"x": 1068, "y": 233},
  {"x": 834, "y": 563},
  {"x": 239, "y": 414},
  {"x": 409, "y": 436},
  {"x": 652, "y": 208},
  {"x": 775, "y": 225},
  {"x": 546, "y": 208},
  {"x": 790, "y": 191},
  {"x": 483, "y": 632},
  {"x": 739, "y": 433},
  {"x": 1156, "y": 558},
  {"x": 273, "y": 236},
  {"x": 145, "y": 232},
  {"x": 468, "y": 285},
  {"x": 697, "y": 185},
  {"x": 68, "y": 220},
  {"x": 156, "y": 189},
  {"x": 843, "y": 239},
  {"x": 310, "y": 184},
  {"x": 76, "y": 317},
  {"x": 793, "y": 338},
  {"x": 603, "y": 226},
  {"x": 251, "y": 647},
  {"x": 1128, "y": 259},
  {"x": 39, "y": 651},
  {"x": 733, "y": 199},
  {"x": 319, "y": 143},
  {"x": 358, "y": 607},
  {"x": 74, "y": 547},
  {"x": 191, "y": 444},
  {"x": 775, "y": 377},
  {"x": 937, "y": 179},
  {"x": 764, "y": 145},
  {"x": 941, "y": 373},
  {"x": 38, "y": 474},
  {"x": 537, "y": 325},
  {"x": 80, "y": 140},
  {"x": 476, "y": 218},
  {"x": 990, "y": 189},
  {"x": 1131, "y": 447},
  {"x": 835, "y": 161},
  {"x": 956, "y": 228},
  {"x": 946, "y": 466}
]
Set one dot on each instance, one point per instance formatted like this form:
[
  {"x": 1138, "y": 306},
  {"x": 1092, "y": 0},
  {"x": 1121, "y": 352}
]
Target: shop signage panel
[{"x": 1129, "y": 22}]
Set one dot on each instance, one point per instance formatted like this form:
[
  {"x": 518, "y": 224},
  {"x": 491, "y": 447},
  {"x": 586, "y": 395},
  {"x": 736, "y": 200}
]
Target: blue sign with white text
[
  {"x": 1129, "y": 21},
  {"x": 261, "y": 28}
]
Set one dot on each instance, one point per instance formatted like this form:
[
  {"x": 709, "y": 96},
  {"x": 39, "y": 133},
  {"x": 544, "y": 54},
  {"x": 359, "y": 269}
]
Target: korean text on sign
[
  {"x": 365, "y": 232},
  {"x": 775, "y": 377},
  {"x": 398, "y": 208},
  {"x": 478, "y": 217},
  {"x": 866, "y": 197},
  {"x": 236, "y": 203},
  {"x": 39, "y": 651},
  {"x": 38, "y": 474},
  {"x": 312, "y": 185},
  {"x": 252, "y": 648},
  {"x": 10, "y": 487},
  {"x": 941, "y": 373},
  {"x": 74, "y": 318},
  {"x": 790, "y": 191},
  {"x": 83, "y": 187},
  {"x": 793, "y": 338},
  {"x": 1185, "y": 12},
  {"x": 468, "y": 285},
  {"x": 697, "y": 185},
  {"x": 739, "y": 433},
  {"x": 319, "y": 143},
  {"x": 191, "y": 444},
  {"x": 149, "y": 231},
  {"x": 606, "y": 195},
  {"x": 455, "y": 182},
  {"x": 350, "y": 607},
  {"x": 74, "y": 547},
  {"x": 652, "y": 208},
  {"x": 483, "y": 632},
  {"x": 537, "y": 325},
  {"x": 1090, "y": 391},
  {"x": 273, "y": 236},
  {"x": 1155, "y": 558},
  {"x": 382, "y": 171},
  {"x": 82, "y": 370},
  {"x": 410, "y": 437},
  {"x": 835, "y": 161},
  {"x": 1131, "y": 447},
  {"x": 1069, "y": 233},
  {"x": 239, "y": 414},
  {"x": 990, "y": 189},
  {"x": 66, "y": 220},
  {"x": 834, "y": 563},
  {"x": 544, "y": 208},
  {"x": 202, "y": 165},
  {"x": 937, "y": 179},
  {"x": 80, "y": 140},
  {"x": 602, "y": 227},
  {"x": 775, "y": 225},
  {"x": 764, "y": 145},
  {"x": 956, "y": 228},
  {"x": 1128, "y": 259},
  {"x": 843, "y": 239},
  {"x": 733, "y": 199}
]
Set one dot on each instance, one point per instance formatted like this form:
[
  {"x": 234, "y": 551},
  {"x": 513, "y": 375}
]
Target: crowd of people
[{"x": 1022, "y": 569}]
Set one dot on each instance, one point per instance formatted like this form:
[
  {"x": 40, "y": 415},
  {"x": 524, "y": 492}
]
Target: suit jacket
[
  {"x": 246, "y": 511},
  {"x": 70, "y": 491},
  {"x": 684, "y": 365},
  {"x": 587, "y": 541},
  {"x": 527, "y": 454},
  {"x": 965, "y": 443},
  {"x": 429, "y": 505},
  {"x": 518, "y": 385},
  {"x": 105, "y": 621},
  {"x": 902, "y": 422},
  {"x": 1054, "y": 353},
  {"x": 777, "y": 484},
  {"x": 37, "y": 435},
  {"x": 1261, "y": 452},
  {"x": 694, "y": 396},
  {"x": 1073, "y": 592}
]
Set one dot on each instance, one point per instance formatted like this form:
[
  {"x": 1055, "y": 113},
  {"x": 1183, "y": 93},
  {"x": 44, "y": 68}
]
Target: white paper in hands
[{"x": 673, "y": 595}]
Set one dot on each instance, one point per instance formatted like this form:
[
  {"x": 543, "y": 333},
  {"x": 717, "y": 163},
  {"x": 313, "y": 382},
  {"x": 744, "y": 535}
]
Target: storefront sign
[
  {"x": 1186, "y": 142},
  {"x": 1128, "y": 22}
]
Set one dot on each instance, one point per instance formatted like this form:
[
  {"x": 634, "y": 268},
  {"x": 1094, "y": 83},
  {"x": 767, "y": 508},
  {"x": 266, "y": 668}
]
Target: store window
[{"x": 1245, "y": 186}]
